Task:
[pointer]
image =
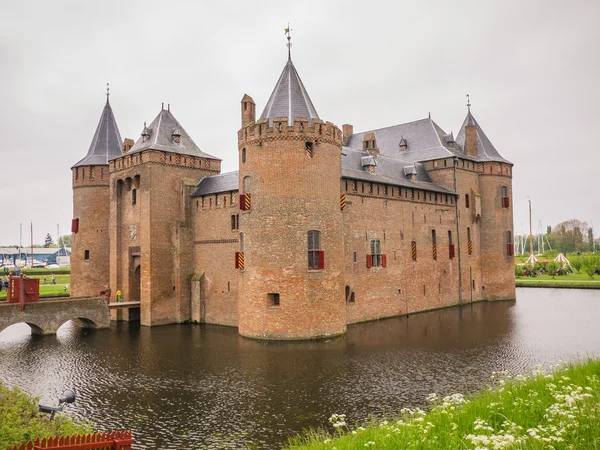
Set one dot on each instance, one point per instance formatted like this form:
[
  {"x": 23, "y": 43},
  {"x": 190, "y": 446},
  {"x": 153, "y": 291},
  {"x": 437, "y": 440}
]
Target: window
[
  {"x": 86, "y": 255},
  {"x": 273, "y": 299},
  {"x": 235, "y": 221},
  {"x": 469, "y": 242},
  {"x": 434, "y": 245},
  {"x": 352, "y": 299},
  {"x": 309, "y": 149},
  {"x": 246, "y": 184},
  {"x": 133, "y": 196},
  {"x": 245, "y": 199},
  {"x": 505, "y": 199},
  {"x": 348, "y": 292},
  {"x": 376, "y": 259},
  {"x": 243, "y": 155},
  {"x": 316, "y": 257},
  {"x": 467, "y": 201},
  {"x": 509, "y": 244},
  {"x": 450, "y": 245}
]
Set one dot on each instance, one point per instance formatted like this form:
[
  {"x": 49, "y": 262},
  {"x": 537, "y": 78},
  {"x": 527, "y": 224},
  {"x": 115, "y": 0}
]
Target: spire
[
  {"x": 107, "y": 92},
  {"x": 107, "y": 142},
  {"x": 289, "y": 98},
  {"x": 289, "y": 41}
]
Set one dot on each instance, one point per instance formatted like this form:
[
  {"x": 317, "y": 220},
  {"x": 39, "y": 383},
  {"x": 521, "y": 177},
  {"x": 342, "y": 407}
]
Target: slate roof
[
  {"x": 485, "y": 149},
  {"x": 289, "y": 98},
  {"x": 161, "y": 137},
  {"x": 225, "y": 182},
  {"x": 107, "y": 141}
]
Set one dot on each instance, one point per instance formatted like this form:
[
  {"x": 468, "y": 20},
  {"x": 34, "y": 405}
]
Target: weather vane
[
  {"x": 289, "y": 39},
  {"x": 469, "y": 102},
  {"x": 107, "y": 91}
]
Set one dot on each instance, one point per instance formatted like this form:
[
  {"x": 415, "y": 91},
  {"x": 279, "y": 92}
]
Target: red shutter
[
  {"x": 369, "y": 261},
  {"x": 243, "y": 202},
  {"x": 321, "y": 259},
  {"x": 509, "y": 249},
  {"x": 451, "y": 251},
  {"x": 74, "y": 225},
  {"x": 506, "y": 202},
  {"x": 383, "y": 261}
]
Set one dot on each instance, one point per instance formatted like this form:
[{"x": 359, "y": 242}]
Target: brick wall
[{"x": 91, "y": 207}]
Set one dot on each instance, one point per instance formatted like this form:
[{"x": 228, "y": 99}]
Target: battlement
[
  {"x": 90, "y": 176},
  {"x": 317, "y": 131}
]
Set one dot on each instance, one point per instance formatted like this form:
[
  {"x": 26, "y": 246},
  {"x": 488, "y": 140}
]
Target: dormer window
[
  {"x": 403, "y": 144},
  {"x": 145, "y": 133},
  {"x": 176, "y": 135}
]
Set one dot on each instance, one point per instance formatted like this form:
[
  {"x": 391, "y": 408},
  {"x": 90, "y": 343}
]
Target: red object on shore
[
  {"x": 23, "y": 290},
  {"x": 115, "y": 440}
]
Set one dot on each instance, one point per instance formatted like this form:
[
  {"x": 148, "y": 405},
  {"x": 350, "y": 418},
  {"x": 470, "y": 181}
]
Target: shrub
[
  {"x": 576, "y": 263},
  {"x": 21, "y": 420},
  {"x": 518, "y": 270},
  {"x": 551, "y": 269},
  {"x": 590, "y": 266}
]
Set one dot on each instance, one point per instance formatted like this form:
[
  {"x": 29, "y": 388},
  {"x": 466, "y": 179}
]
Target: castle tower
[
  {"x": 291, "y": 241},
  {"x": 492, "y": 210},
  {"x": 90, "y": 177},
  {"x": 151, "y": 235}
]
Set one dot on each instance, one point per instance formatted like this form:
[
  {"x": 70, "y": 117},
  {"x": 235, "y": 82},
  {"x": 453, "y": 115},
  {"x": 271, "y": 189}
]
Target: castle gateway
[{"x": 319, "y": 228}]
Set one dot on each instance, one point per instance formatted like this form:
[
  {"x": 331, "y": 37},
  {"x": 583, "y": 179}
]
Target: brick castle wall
[{"x": 91, "y": 207}]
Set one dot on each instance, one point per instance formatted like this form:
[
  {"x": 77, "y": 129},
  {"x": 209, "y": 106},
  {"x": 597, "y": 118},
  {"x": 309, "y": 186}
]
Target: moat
[{"x": 206, "y": 387}]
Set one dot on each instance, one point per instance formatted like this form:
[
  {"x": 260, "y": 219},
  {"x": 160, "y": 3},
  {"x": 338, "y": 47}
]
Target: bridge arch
[
  {"x": 35, "y": 329},
  {"x": 80, "y": 322}
]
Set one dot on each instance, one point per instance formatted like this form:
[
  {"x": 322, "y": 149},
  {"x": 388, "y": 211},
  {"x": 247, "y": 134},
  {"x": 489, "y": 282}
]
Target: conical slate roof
[
  {"x": 289, "y": 98},
  {"x": 485, "y": 149},
  {"x": 107, "y": 141},
  {"x": 160, "y": 137}
]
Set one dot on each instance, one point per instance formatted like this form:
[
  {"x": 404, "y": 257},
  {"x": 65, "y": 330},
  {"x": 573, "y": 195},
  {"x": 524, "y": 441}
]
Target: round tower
[
  {"x": 91, "y": 209},
  {"x": 291, "y": 236}
]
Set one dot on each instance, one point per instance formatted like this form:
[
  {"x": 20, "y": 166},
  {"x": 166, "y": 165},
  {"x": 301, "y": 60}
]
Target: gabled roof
[
  {"x": 107, "y": 141},
  {"x": 424, "y": 139},
  {"x": 225, "y": 182},
  {"x": 289, "y": 98},
  {"x": 161, "y": 137},
  {"x": 485, "y": 149}
]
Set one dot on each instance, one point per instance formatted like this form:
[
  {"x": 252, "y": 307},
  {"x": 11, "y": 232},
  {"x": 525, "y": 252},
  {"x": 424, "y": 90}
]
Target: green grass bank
[
  {"x": 49, "y": 290},
  {"x": 555, "y": 410},
  {"x": 573, "y": 280}
]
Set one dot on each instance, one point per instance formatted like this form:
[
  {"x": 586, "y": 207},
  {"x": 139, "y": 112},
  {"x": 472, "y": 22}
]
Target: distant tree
[
  {"x": 576, "y": 263},
  {"x": 65, "y": 241},
  {"x": 568, "y": 235},
  {"x": 548, "y": 229},
  {"x": 551, "y": 269},
  {"x": 48, "y": 241}
]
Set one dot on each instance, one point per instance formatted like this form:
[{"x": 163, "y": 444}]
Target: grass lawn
[
  {"x": 573, "y": 280},
  {"x": 48, "y": 290},
  {"x": 558, "y": 410}
]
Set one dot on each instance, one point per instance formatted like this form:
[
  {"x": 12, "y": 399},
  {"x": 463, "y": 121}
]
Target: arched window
[
  {"x": 316, "y": 257},
  {"x": 246, "y": 185},
  {"x": 347, "y": 293}
]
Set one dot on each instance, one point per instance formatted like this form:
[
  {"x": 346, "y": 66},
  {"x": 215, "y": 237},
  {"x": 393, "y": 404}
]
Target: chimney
[
  {"x": 370, "y": 144},
  {"x": 471, "y": 140},
  {"x": 248, "y": 110},
  {"x": 347, "y": 131},
  {"x": 127, "y": 144}
]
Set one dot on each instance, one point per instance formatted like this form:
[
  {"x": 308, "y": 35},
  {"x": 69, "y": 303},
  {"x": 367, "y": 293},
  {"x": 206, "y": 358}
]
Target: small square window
[
  {"x": 273, "y": 299},
  {"x": 86, "y": 255}
]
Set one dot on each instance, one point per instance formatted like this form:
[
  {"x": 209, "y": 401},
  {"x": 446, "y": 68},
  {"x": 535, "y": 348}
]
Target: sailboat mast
[{"x": 530, "y": 231}]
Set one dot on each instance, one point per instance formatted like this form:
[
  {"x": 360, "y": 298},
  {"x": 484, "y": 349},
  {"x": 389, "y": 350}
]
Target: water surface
[{"x": 183, "y": 386}]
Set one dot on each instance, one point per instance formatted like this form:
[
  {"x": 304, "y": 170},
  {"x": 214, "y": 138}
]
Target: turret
[
  {"x": 291, "y": 278},
  {"x": 91, "y": 197},
  {"x": 248, "y": 110}
]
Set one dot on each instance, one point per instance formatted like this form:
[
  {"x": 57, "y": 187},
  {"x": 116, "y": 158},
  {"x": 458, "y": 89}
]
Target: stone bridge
[{"x": 46, "y": 316}]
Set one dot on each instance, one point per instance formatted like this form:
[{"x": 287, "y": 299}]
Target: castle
[{"x": 319, "y": 228}]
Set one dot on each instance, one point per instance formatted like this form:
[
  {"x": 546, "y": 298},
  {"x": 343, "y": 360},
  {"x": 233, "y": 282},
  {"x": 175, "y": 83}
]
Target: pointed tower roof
[
  {"x": 289, "y": 98},
  {"x": 159, "y": 136},
  {"x": 107, "y": 141},
  {"x": 485, "y": 149}
]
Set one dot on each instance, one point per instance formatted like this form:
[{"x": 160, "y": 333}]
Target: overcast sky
[{"x": 532, "y": 69}]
